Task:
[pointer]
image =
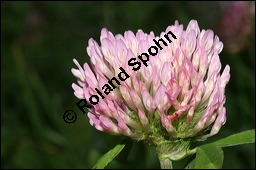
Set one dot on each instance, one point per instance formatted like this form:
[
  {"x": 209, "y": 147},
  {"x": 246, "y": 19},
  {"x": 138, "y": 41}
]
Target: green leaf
[
  {"x": 108, "y": 157},
  {"x": 237, "y": 139},
  {"x": 209, "y": 157},
  {"x": 191, "y": 164}
]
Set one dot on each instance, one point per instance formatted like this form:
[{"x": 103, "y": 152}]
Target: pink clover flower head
[
  {"x": 176, "y": 92},
  {"x": 235, "y": 27}
]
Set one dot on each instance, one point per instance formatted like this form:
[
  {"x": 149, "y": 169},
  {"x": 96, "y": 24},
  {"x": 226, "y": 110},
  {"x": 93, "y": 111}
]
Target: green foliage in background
[
  {"x": 39, "y": 41},
  {"x": 209, "y": 156}
]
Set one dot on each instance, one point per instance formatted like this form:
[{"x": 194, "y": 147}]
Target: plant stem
[
  {"x": 169, "y": 151},
  {"x": 165, "y": 163}
]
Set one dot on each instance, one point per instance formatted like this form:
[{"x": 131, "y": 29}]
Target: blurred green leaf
[
  {"x": 209, "y": 157},
  {"x": 108, "y": 157},
  {"x": 191, "y": 164},
  {"x": 237, "y": 139}
]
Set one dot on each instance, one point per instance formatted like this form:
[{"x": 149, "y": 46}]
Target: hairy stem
[
  {"x": 165, "y": 163},
  {"x": 169, "y": 151}
]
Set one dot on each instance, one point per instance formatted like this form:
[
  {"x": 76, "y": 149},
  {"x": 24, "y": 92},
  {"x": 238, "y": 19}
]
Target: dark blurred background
[{"x": 39, "y": 41}]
